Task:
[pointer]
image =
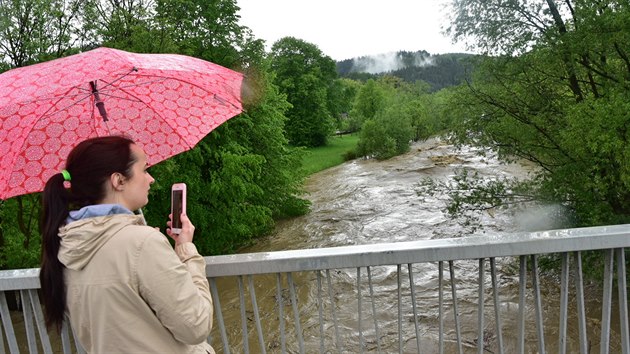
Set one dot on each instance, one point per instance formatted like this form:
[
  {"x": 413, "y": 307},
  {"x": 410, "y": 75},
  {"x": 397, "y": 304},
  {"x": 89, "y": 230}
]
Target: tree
[
  {"x": 340, "y": 99},
  {"x": 38, "y": 30},
  {"x": 554, "y": 94},
  {"x": 306, "y": 76},
  {"x": 374, "y": 141},
  {"x": 206, "y": 29},
  {"x": 368, "y": 102},
  {"x": 393, "y": 108}
]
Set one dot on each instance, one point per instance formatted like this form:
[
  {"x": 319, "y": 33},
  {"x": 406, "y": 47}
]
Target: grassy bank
[{"x": 321, "y": 158}]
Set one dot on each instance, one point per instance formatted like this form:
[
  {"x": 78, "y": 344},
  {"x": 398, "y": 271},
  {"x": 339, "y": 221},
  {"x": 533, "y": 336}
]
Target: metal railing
[{"x": 395, "y": 297}]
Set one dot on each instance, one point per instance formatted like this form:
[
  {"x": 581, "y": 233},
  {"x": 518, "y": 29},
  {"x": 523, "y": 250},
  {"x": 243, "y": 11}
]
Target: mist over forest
[{"x": 439, "y": 70}]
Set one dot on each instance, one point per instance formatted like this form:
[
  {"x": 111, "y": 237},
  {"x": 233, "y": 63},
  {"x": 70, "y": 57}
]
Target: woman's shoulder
[
  {"x": 135, "y": 234},
  {"x": 143, "y": 233}
]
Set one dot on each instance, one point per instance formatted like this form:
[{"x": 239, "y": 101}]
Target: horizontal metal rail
[
  {"x": 472, "y": 247},
  {"x": 394, "y": 297}
]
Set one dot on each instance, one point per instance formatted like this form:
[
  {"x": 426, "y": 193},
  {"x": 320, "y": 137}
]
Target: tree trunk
[{"x": 566, "y": 57}]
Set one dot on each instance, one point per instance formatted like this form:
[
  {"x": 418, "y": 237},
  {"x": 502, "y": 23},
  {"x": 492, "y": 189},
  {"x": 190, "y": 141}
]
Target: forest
[
  {"x": 439, "y": 70},
  {"x": 550, "y": 84}
]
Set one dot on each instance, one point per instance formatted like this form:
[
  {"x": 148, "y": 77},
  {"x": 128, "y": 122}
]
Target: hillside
[{"x": 440, "y": 70}]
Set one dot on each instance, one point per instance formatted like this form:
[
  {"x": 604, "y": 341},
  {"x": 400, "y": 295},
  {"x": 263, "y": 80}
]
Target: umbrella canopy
[{"x": 165, "y": 102}]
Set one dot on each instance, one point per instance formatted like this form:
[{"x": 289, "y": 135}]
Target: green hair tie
[{"x": 66, "y": 175}]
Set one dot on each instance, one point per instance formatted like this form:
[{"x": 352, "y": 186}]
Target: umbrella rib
[
  {"x": 45, "y": 114},
  {"x": 63, "y": 109},
  {"x": 48, "y": 98},
  {"x": 160, "y": 78},
  {"x": 110, "y": 87},
  {"x": 117, "y": 79},
  {"x": 59, "y": 98},
  {"x": 116, "y": 96},
  {"x": 163, "y": 78},
  {"x": 156, "y": 113},
  {"x": 78, "y": 87},
  {"x": 201, "y": 88}
]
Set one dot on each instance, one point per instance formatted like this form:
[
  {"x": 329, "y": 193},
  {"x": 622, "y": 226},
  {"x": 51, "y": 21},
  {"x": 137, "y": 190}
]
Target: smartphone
[{"x": 178, "y": 206}]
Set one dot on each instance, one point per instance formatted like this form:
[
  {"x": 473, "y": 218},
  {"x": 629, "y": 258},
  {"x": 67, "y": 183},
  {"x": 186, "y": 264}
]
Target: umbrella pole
[
  {"x": 144, "y": 221},
  {"x": 100, "y": 105}
]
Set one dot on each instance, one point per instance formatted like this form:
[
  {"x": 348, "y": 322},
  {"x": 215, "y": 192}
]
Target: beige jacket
[{"x": 128, "y": 292}]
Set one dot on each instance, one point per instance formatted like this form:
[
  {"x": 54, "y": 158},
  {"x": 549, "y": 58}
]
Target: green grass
[{"x": 321, "y": 158}]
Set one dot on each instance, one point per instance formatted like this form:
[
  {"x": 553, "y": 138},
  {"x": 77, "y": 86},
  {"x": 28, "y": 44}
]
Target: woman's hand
[{"x": 187, "y": 233}]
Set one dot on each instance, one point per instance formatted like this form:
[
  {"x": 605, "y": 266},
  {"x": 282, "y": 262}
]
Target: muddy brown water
[{"x": 368, "y": 202}]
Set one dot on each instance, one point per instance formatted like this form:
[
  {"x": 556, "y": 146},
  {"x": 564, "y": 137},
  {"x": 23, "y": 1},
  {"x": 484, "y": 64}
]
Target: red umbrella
[{"x": 165, "y": 102}]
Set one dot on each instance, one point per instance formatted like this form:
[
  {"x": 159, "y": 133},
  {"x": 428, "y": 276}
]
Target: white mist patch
[
  {"x": 380, "y": 63},
  {"x": 541, "y": 217}
]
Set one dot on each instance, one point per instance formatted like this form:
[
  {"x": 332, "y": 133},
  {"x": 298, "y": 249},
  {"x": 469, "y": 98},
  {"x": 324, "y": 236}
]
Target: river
[{"x": 369, "y": 201}]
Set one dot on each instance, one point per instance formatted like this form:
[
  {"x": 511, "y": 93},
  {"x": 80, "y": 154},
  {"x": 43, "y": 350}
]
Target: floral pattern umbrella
[{"x": 165, "y": 102}]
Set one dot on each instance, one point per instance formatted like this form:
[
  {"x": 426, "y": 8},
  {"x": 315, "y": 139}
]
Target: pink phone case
[{"x": 178, "y": 205}]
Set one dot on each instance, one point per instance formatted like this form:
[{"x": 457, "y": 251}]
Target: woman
[{"x": 123, "y": 287}]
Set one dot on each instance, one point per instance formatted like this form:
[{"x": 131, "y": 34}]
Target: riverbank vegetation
[{"x": 553, "y": 89}]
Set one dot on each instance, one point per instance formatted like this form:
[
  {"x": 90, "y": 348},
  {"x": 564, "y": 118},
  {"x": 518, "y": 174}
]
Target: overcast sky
[{"x": 343, "y": 29}]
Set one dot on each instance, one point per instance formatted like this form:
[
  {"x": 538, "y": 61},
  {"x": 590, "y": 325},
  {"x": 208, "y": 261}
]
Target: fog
[{"x": 391, "y": 61}]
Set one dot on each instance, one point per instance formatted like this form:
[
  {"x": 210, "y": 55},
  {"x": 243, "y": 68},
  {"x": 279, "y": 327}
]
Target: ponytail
[
  {"x": 55, "y": 210},
  {"x": 89, "y": 164}
]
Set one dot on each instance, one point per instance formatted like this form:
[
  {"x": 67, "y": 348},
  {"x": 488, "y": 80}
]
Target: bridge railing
[{"x": 473, "y": 294}]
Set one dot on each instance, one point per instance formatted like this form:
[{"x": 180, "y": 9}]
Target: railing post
[
  {"x": 412, "y": 288},
  {"x": 607, "y": 301},
  {"x": 359, "y": 310},
  {"x": 399, "y": 280},
  {"x": 522, "y": 286},
  {"x": 623, "y": 299},
  {"x": 458, "y": 333},
  {"x": 538, "y": 304},
  {"x": 497, "y": 308},
  {"x": 579, "y": 295},
  {"x": 441, "y": 306},
  {"x": 480, "y": 308},
  {"x": 8, "y": 324},
  {"x": 241, "y": 299},
  {"x": 564, "y": 300},
  {"x": 219, "y": 314}
]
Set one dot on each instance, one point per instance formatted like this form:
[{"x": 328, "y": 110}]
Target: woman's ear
[{"x": 117, "y": 180}]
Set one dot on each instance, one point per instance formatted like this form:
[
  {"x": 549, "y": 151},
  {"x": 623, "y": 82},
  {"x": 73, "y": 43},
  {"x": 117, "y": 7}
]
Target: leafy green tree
[
  {"x": 368, "y": 102},
  {"x": 38, "y": 30},
  {"x": 399, "y": 113},
  {"x": 306, "y": 76},
  {"x": 340, "y": 99},
  {"x": 555, "y": 93},
  {"x": 207, "y": 29},
  {"x": 119, "y": 24},
  {"x": 374, "y": 141},
  {"x": 19, "y": 232}
]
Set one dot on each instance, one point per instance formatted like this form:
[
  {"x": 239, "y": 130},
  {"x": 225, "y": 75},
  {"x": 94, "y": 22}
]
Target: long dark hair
[{"x": 90, "y": 164}]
